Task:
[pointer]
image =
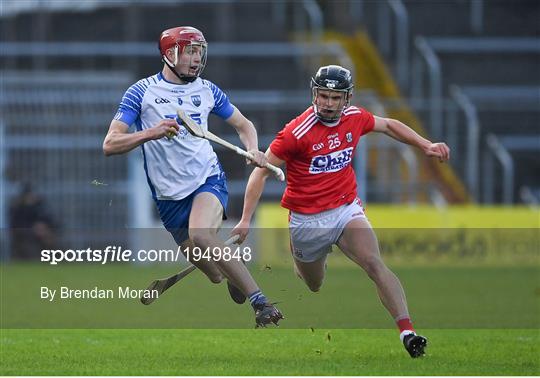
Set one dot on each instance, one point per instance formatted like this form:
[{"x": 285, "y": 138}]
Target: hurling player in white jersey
[
  {"x": 183, "y": 172},
  {"x": 317, "y": 148}
]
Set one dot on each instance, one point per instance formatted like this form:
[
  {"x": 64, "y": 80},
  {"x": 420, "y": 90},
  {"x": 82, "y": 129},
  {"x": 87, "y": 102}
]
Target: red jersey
[{"x": 319, "y": 159}]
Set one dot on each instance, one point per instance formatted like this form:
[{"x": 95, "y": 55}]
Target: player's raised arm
[
  {"x": 403, "y": 133},
  {"x": 254, "y": 189},
  {"x": 119, "y": 141},
  {"x": 248, "y": 135}
]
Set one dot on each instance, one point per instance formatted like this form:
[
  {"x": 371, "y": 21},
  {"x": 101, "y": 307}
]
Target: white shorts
[{"x": 312, "y": 235}]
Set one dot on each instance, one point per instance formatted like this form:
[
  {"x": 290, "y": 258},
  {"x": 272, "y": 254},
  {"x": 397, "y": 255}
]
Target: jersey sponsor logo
[
  {"x": 158, "y": 100},
  {"x": 331, "y": 162},
  {"x": 196, "y": 100},
  {"x": 196, "y": 117},
  {"x": 318, "y": 146},
  {"x": 182, "y": 132},
  {"x": 349, "y": 137}
]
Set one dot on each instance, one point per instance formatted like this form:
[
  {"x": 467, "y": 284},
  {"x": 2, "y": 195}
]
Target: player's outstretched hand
[
  {"x": 242, "y": 230},
  {"x": 260, "y": 158},
  {"x": 164, "y": 128},
  {"x": 438, "y": 150}
]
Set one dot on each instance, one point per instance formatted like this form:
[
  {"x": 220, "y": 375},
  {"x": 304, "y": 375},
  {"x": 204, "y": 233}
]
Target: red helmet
[{"x": 179, "y": 38}]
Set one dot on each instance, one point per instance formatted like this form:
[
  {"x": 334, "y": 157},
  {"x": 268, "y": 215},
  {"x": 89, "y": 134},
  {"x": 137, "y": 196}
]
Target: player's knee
[{"x": 200, "y": 237}]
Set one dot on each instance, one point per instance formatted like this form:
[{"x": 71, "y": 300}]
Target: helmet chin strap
[
  {"x": 188, "y": 79},
  {"x": 172, "y": 65},
  {"x": 327, "y": 121}
]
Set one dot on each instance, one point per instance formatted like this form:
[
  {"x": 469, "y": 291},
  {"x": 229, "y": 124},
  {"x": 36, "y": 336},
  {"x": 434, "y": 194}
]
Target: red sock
[{"x": 404, "y": 324}]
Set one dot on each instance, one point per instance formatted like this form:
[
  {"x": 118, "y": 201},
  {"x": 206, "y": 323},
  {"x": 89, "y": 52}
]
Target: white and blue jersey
[{"x": 177, "y": 167}]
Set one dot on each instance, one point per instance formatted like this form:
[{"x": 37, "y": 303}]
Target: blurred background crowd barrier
[{"x": 463, "y": 71}]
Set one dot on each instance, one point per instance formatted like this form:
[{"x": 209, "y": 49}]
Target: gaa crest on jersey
[
  {"x": 349, "y": 137},
  {"x": 196, "y": 100},
  {"x": 317, "y": 146},
  {"x": 331, "y": 162},
  {"x": 159, "y": 100}
]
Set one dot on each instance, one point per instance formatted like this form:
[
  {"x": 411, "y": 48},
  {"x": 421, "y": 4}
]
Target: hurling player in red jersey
[{"x": 317, "y": 148}]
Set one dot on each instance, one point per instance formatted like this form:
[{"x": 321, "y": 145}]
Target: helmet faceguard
[
  {"x": 184, "y": 39},
  {"x": 334, "y": 79}
]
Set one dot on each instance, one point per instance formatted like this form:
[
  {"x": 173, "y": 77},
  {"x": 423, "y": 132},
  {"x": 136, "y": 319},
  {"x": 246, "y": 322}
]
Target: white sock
[{"x": 405, "y": 333}]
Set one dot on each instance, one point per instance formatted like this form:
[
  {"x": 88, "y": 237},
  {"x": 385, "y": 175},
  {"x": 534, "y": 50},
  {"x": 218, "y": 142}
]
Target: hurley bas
[{"x": 96, "y": 293}]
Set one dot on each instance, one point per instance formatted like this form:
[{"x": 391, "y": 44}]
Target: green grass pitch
[
  {"x": 479, "y": 321},
  {"x": 265, "y": 352}
]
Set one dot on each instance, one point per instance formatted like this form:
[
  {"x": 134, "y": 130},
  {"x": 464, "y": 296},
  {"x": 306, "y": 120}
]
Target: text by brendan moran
[{"x": 121, "y": 292}]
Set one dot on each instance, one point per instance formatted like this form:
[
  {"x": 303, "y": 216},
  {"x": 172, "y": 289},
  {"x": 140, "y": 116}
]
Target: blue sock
[{"x": 257, "y": 298}]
